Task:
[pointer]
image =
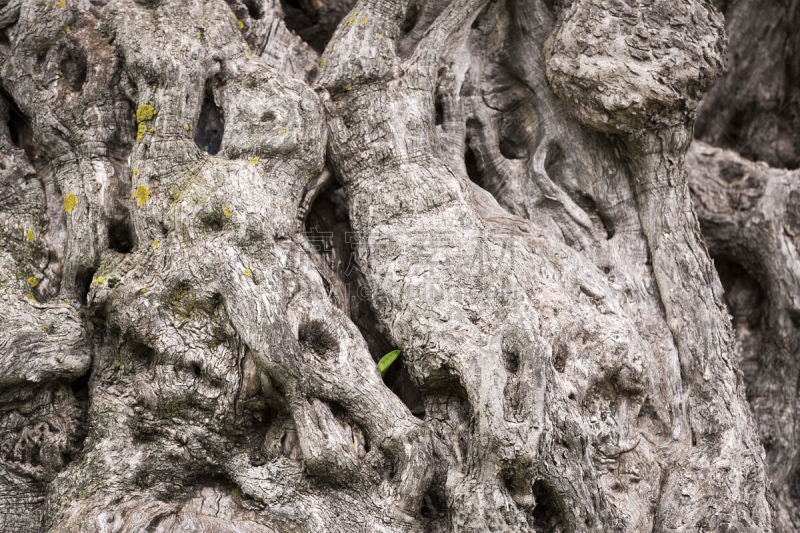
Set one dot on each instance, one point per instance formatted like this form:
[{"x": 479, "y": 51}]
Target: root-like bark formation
[{"x": 211, "y": 233}]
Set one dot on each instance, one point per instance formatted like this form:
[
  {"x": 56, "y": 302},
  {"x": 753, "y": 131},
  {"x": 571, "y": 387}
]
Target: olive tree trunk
[{"x": 218, "y": 216}]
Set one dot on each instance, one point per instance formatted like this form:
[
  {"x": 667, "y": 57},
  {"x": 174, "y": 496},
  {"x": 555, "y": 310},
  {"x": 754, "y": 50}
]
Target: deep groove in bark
[
  {"x": 328, "y": 228},
  {"x": 19, "y": 129},
  {"x": 83, "y": 281},
  {"x": 471, "y": 164}
]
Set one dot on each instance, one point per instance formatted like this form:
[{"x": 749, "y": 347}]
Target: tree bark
[{"x": 212, "y": 229}]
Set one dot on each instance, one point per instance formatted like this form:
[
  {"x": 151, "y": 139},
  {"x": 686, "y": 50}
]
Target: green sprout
[{"x": 387, "y": 360}]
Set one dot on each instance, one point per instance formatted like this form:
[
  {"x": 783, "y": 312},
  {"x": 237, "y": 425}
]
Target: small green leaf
[{"x": 387, "y": 360}]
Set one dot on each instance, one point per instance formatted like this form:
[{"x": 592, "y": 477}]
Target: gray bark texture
[{"x": 217, "y": 215}]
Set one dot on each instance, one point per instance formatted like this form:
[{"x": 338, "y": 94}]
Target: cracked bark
[{"x": 180, "y": 353}]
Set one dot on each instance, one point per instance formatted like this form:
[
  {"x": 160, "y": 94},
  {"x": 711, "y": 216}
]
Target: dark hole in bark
[
  {"x": 18, "y": 127},
  {"x": 313, "y": 21},
  {"x": 512, "y": 135},
  {"x": 476, "y": 24},
  {"x": 83, "y": 282},
  {"x": 554, "y": 162},
  {"x": 142, "y": 352},
  {"x": 213, "y": 221},
  {"x": 438, "y": 109},
  {"x": 210, "y": 125},
  {"x": 41, "y": 55},
  {"x": 196, "y": 368},
  {"x": 560, "y": 356},
  {"x": 21, "y": 133},
  {"x": 73, "y": 67},
  {"x": 512, "y": 360},
  {"x": 794, "y": 316},
  {"x": 546, "y": 513},
  {"x": 80, "y": 389},
  {"x": 410, "y": 20},
  {"x": 315, "y": 337},
  {"x": 5, "y": 44},
  {"x": 399, "y": 382},
  {"x": 511, "y": 148},
  {"x": 743, "y": 294},
  {"x": 731, "y": 172},
  {"x": 434, "y": 507},
  {"x": 471, "y": 164},
  {"x": 120, "y": 235},
  {"x": 328, "y": 229},
  {"x": 254, "y": 8}
]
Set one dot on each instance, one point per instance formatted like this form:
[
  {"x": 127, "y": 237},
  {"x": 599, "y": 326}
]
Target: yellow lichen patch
[
  {"x": 348, "y": 87},
  {"x": 227, "y": 211},
  {"x": 145, "y": 112},
  {"x": 152, "y": 129},
  {"x": 70, "y": 201},
  {"x": 60, "y": 74},
  {"x": 65, "y": 304},
  {"x": 283, "y": 131},
  {"x": 379, "y": 60},
  {"x": 135, "y": 171},
  {"x": 99, "y": 280},
  {"x": 29, "y": 235},
  {"x": 323, "y": 62},
  {"x": 141, "y": 129},
  {"x": 142, "y": 194},
  {"x": 254, "y": 160},
  {"x": 235, "y": 492},
  {"x": 33, "y": 281},
  {"x": 247, "y": 272},
  {"x": 186, "y": 127},
  {"x": 143, "y": 290},
  {"x": 30, "y": 296},
  {"x": 240, "y": 24},
  {"x": 62, "y": 4},
  {"x": 363, "y": 21},
  {"x": 380, "y": 36},
  {"x": 155, "y": 244}
]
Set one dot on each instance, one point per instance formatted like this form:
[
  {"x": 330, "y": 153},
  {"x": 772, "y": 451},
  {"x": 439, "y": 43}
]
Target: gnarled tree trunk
[{"x": 212, "y": 229}]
